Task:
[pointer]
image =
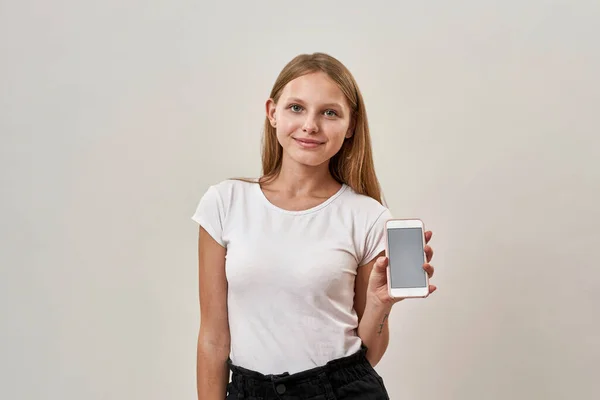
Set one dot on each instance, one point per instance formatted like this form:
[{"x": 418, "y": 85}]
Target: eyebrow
[{"x": 297, "y": 100}]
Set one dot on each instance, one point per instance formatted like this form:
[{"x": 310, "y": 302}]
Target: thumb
[
  {"x": 378, "y": 276},
  {"x": 380, "y": 265}
]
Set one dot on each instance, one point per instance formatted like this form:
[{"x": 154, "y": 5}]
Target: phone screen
[{"x": 405, "y": 247}]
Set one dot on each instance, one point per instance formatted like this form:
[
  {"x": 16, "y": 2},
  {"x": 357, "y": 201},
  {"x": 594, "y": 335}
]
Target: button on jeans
[{"x": 348, "y": 378}]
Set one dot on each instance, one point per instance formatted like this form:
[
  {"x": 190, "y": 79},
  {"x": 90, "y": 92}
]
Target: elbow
[
  {"x": 374, "y": 356},
  {"x": 218, "y": 345}
]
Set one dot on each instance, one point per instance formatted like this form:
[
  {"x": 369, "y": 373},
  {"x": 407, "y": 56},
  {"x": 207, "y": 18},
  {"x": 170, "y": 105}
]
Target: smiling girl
[{"x": 292, "y": 273}]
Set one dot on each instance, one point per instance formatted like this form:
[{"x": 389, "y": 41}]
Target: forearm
[
  {"x": 373, "y": 329},
  {"x": 212, "y": 372}
]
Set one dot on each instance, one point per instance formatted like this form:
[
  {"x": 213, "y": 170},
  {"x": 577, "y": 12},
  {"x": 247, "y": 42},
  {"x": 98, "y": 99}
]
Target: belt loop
[{"x": 329, "y": 395}]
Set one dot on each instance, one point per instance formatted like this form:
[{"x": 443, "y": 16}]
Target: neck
[{"x": 298, "y": 179}]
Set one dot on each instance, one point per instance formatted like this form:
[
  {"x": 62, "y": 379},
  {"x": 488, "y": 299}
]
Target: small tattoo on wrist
[{"x": 385, "y": 317}]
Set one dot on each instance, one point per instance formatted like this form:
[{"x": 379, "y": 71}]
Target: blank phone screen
[{"x": 406, "y": 258}]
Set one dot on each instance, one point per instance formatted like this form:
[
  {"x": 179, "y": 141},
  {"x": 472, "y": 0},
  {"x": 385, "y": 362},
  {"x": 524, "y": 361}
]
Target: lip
[{"x": 308, "y": 143}]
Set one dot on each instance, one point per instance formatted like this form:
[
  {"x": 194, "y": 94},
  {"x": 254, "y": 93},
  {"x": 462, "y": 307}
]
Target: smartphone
[{"x": 405, "y": 248}]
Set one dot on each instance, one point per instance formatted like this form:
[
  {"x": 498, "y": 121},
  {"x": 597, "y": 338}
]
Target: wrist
[
  {"x": 376, "y": 306},
  {"x": 374, "y": 322}
]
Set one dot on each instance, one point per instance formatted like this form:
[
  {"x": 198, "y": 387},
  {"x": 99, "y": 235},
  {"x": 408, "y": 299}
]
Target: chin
[{"x": 310, "y": 160}]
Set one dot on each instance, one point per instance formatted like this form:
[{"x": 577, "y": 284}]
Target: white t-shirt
[{"x": 291, "y": 273}]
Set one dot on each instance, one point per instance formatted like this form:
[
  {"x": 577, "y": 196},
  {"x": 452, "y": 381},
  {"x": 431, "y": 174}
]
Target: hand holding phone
[{"x": 405, "y": 250}]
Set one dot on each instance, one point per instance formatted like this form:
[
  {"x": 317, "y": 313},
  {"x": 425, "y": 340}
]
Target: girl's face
[{"x": 312, "y": 119}]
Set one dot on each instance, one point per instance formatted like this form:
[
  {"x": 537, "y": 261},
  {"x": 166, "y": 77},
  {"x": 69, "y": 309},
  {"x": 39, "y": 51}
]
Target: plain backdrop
[{"x": 116, "y": 116}]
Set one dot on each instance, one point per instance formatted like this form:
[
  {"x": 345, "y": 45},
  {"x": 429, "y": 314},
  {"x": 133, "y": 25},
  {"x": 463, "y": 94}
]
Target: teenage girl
[{"x": 292, "y": 272}]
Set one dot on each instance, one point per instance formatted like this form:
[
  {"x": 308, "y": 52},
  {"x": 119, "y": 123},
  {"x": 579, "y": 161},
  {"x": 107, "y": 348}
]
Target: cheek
[
  {"x": 287, "y": 125},
  {"x": 337, "y": 131},
  {"x": 284, "y": 129}
]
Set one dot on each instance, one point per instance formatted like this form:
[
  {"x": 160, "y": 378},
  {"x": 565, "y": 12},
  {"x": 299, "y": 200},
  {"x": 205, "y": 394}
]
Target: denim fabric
[{"x": 348, "y": 378}]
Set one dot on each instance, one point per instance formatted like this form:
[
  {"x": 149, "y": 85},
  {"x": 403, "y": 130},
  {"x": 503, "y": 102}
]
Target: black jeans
[{"x": 348, "y": 378}]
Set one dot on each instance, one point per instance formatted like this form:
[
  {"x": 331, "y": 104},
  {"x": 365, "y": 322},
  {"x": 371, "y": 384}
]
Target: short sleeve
[
  {"x": 210, "y": 214},
  {"x": 375, "y": 239}
]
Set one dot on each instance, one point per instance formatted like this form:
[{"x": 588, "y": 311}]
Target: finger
[
  {"x": 429, "y": 269},
  {"x": 428, "y": 252},
  {"x": 432, "y": 288},
  {"x": 428, "y": 236},
  {"x": 381, "y": 263}
]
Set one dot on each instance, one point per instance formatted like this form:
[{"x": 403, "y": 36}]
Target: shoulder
[
  {"x": 221, "y": 196},
  {"x": 234, "y": 184},
  {"x": 230, "y": 189},
  {"x": 218, "y": 205},
  {"x": 368, "y": 224},
  {"x": 365, "y": 207}
]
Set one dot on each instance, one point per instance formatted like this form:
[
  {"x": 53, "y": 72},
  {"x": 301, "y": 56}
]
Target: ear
[
  {"x": 351, "y": 128},
  {"x": 270, "y": 107}
]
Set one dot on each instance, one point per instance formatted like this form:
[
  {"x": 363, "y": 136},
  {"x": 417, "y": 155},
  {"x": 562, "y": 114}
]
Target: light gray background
[{"x": 115, "y": 116}]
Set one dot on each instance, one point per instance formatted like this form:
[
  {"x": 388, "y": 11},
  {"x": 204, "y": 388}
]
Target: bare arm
[
  {"x": 373, "y": 326},
  {"x": 212, "y": 373}
]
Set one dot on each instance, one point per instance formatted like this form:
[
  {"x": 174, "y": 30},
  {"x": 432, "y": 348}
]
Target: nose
[{"x": 310, "y": 125}]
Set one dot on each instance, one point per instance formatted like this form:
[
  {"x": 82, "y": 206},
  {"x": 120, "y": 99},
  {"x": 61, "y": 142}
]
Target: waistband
[{"x": 342, "y": 370}]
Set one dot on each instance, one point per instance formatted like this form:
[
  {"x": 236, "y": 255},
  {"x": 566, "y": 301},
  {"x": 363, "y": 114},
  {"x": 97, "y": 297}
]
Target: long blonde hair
[{"x": 353, "y": 164}]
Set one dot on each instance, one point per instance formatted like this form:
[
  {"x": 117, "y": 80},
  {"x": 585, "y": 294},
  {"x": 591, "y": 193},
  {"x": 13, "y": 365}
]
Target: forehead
[{"x": 316, "y": 88}]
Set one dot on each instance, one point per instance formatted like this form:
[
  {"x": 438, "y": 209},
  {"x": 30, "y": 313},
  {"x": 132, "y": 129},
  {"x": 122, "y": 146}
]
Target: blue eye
[
  {"x": 295, "y": 108},
  {"x": 330, "y": 113}
]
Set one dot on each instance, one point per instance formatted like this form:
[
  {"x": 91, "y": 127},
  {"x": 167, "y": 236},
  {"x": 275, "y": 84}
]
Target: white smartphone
[{"x": 405, "y": 249}]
